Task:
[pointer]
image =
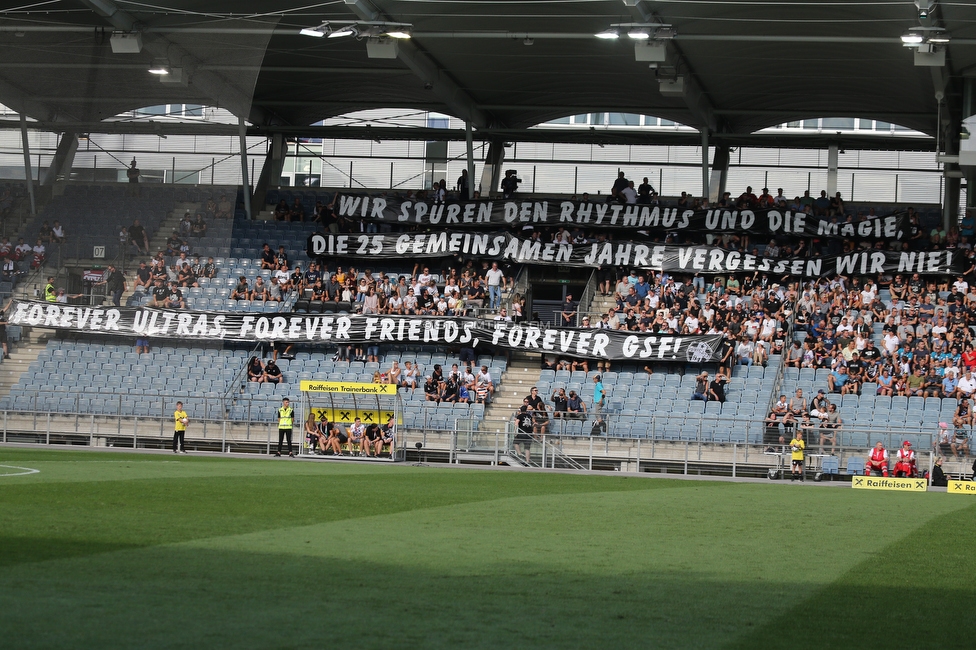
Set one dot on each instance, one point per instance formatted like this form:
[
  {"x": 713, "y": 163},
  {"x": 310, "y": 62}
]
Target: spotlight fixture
[
  {"x": 639, "y": 31},
  {"x": 159, "y": 67},
  {"x": 348, "y": 30},
  {"x": 316, "y": 32},
  {"x": 528, "y": 41},
  {"x": 665, "y": 33},
  {"x": 399, "y": 32},
  {"x": 911, "y": 39},
  {"x": 939, "y": 39}
]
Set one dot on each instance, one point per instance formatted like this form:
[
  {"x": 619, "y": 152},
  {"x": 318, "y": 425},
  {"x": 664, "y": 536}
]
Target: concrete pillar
[
  {"x": 469, "y": 142},
  {"x": 28, "y": 174},
  {"x": 270, "y": 175},
  {"x": 491, "y": 176},
  {"x": 64, "y": 158},
  {"x": 245, "y": 181},
  {"x": 705, "y": 164},
  {"x": 720, "y": 173},
  {"x": 832, "y": 156}
]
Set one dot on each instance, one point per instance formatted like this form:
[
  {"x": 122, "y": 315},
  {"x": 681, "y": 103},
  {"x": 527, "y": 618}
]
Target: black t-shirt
[
  {"x": 137, "y": 233},
  {"x": 268, "y": 256},
  {"x": 143, "y": 273},
  {"x": 175, "y": 295},
  {"x": 560, "y": 402},
  {"x": 870, "y": 354},
  {"x": 160, "y": 293},
  {"x": 536, "y": 402},
  {"x": 524, "y": 420}
]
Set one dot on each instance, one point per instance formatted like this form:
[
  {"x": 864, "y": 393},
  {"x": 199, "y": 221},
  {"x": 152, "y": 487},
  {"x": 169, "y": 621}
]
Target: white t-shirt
[{"x": 967, "y": 386}]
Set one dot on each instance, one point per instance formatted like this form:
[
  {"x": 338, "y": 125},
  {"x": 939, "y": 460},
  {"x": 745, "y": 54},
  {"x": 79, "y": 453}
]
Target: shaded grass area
[{"x": 311, "y": 555}]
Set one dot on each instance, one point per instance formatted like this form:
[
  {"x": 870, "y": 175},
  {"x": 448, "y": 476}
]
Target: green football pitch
[{"x": 151, "y": 550}]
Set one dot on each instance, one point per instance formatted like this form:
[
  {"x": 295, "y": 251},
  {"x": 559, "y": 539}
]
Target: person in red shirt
[
  {"x": 905, "y": 461},
  {"x": 969, "y": 357},
  {"x": 877, "y": 460}
]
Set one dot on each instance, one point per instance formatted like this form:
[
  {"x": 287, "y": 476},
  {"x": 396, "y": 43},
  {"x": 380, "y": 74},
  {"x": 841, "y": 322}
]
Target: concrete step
[{"x": 21, "y": 356}]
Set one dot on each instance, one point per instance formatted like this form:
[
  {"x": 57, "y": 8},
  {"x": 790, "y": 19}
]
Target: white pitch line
[{"x": 27, "y": 470}]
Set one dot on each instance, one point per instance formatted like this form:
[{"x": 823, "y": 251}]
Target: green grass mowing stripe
[
  {"x": 63, "y": 519},
  {"x": 691, "y": 567},
  {"x": 915, "y": 592}
]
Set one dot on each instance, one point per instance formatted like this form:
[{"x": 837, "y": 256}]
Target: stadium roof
[{"x": 504, "y": 64}]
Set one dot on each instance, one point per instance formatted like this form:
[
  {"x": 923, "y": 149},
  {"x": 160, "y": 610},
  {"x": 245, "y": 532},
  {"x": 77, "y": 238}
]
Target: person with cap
[
  {"x": 877, "y": 460},
  {"x": 524, "y": 424},
  {"x": 819, "y": 405},
  {"x": 905, "y": 461},
  {"x": 942, "y": 443},
  {"x": 286, "y": 416}
]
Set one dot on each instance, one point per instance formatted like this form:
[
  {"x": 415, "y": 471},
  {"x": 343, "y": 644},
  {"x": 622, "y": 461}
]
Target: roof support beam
[
  {"x": 210, "y": 83},
  {"x": 430, "y": 71},
  {"x": 695, "y": 96}
]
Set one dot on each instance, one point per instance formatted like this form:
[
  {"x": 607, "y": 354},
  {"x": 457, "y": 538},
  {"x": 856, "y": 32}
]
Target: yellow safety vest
[
  {"x": 50, "y": 294},
  {"x": 285, "y": 417}
]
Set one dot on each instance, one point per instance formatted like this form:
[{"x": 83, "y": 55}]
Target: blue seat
[{"x": 855, "y": 466}]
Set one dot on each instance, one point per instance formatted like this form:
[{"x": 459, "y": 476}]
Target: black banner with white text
[
  {"x": 504, "y": 247},
  {"x": 489, "y": 214},
  {"x": 328, "y": 330}
]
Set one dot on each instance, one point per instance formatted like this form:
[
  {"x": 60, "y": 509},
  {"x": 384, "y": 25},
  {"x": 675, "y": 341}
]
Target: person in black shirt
[
  {"x": 159, "y": 294},
  {"x": 272, "y": 373},
  {"x": 716, "y": 388},
  {"x": 174, "y": 298},
  {"x": 431, "y": 393},
  {"x": 560, "y": 403},
  {"x": 524, "y": 423},
  {"x": 268, "y": 260}
]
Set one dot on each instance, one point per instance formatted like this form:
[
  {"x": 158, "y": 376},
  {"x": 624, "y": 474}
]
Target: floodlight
[
  {"x": 608, "y": 34},
  {"x": 315, "y": 32},
  {"x": 348, "y": 30},
  {"x": 940, "y": 39},
  {"x": 399, "y": 32},
  {"x": 911, "y": 39},
  {"x": 665, "y": 33},
  {"x": 159, "y": 66},
  {"x": 639, "y": 34}
]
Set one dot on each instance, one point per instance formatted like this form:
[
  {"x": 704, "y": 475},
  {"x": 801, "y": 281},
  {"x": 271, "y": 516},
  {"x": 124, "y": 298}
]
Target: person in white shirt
[
  {"x": 966, "y": 385},
  {"x": 629, "y": 194},
  {"x": 890, "y": 343},
  {"x": 494, "y": 278}
]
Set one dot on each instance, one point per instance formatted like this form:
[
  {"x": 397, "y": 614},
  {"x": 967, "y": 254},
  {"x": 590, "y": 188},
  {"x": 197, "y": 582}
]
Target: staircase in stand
[
  {"x": 22, "y": 354},
  {"x": 521, "y": 375}
]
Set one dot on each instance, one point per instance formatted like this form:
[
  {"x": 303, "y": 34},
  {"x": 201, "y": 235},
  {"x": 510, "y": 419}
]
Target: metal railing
[{"x": 586, "y": 298}]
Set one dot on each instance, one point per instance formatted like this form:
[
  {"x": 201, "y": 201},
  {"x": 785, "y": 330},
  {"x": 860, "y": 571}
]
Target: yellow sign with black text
[
  {"x": 347, "y": 416},
  {"x": 889, "y": 483},
  {"x": 961, "y": 487},
  {"x": 315, "y": 386}
]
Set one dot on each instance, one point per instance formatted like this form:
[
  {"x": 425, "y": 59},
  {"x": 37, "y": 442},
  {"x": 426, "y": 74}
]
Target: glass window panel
[{"x": 839, "y": 123}]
